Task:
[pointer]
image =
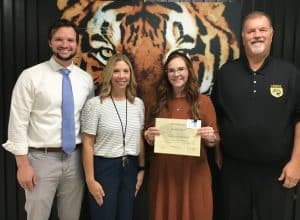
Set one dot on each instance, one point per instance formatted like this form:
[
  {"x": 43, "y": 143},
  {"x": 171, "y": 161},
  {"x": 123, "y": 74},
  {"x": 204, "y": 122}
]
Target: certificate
[{"x": 177, "y": 136}]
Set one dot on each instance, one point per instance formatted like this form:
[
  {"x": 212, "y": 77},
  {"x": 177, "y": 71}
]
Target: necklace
[
  {"x": 177, "y": 106},
  {"x": 177, "y": 103},
  {"x": 124, "y": 157}
]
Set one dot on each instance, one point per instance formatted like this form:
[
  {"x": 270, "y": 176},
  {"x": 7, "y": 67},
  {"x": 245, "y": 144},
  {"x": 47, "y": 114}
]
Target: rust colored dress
[{"x": 180, "y": 186}]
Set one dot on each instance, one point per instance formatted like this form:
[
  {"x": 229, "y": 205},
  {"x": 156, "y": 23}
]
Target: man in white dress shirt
[{"x": 35, "y": 129}]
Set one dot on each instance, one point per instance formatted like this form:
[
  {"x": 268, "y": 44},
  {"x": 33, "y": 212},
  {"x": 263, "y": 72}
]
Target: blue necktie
[{"x": 68, "y": 119}]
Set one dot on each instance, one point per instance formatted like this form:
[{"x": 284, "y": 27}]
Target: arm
[
  {"x": 212, "y": 139},
  {"x": 94, "y": 187},
  {"x": 215, "y": 101},
  {"x": 209, "y": 132},
  {"x": 17, "y": 133},
  {"x": 21, "y": 106},
  {"x": 23, "y": 98},
  {"x": 141, "y": 170},
  {"x": 290, "y": 174}
]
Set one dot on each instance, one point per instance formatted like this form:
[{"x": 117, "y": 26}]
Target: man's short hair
[
  {"x": 255, "y": 14},
  {"x": 62, "y": 23}
]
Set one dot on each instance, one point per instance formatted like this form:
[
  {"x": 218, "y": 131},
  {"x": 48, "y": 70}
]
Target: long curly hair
[{"x": 165, "y": 90}]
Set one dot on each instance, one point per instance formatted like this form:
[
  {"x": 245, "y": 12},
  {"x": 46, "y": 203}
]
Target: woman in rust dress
[{"x": 180, "y": 186}]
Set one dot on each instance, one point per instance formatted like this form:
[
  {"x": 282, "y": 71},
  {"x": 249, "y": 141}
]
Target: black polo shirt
[{"x": 257, "y": 110}]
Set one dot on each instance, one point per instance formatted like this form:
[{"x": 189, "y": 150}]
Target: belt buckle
[{"x": 124, "y": 161}]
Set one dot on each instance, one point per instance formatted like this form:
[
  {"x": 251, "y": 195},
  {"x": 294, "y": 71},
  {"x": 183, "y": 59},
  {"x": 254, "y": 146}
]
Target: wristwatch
[{"x": 141, "y": 168}]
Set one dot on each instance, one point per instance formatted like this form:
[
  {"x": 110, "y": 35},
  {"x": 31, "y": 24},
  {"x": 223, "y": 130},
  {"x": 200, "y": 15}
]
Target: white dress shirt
[{"x": 35, "y": 115}]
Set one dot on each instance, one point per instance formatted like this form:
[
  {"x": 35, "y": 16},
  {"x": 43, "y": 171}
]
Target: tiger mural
[{"x": 147, "y": 32}]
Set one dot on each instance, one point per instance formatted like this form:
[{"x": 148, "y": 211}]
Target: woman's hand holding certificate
[
  {"x": 179, "y": 136},
  {"x": 209, "y": 135},
  {"x": 150, "y": 134}
]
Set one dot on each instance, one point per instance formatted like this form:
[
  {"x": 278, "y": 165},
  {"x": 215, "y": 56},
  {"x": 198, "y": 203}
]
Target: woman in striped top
[{"x": 113, "y": 151}]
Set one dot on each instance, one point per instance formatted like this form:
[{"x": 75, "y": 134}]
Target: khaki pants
[{"x": 58, "y": 175}]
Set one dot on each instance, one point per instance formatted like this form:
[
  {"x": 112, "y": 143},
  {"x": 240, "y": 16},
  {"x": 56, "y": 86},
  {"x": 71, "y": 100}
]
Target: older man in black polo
[{"x": 257, "y": 99}]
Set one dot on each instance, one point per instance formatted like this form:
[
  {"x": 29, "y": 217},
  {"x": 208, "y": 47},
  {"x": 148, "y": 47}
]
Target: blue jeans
[{"x": 119, "y": 187}]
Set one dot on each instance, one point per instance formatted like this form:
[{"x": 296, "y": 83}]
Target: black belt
[{"x": 51, "y": 149}]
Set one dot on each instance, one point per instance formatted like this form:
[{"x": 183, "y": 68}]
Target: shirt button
[
  {"x": 254, "y": 74},
  {"x": 254, "y": 91},
  {"x": 254, "y": 81}
]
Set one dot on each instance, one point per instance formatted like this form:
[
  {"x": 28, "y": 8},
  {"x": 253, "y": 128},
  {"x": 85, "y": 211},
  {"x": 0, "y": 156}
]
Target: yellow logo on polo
[{"x": 276, "y": 90}]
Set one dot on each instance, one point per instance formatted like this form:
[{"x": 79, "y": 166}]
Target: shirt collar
[
  {"x": 261, "y": 70},
  {"x": 56, "y": 66}
]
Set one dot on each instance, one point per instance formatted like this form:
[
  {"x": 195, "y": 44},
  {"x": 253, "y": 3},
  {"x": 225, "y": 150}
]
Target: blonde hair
[{"x": 107, "y": 75}]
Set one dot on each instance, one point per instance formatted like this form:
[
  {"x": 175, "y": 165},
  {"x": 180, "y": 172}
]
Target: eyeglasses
[{"x": 178, "y": 70}]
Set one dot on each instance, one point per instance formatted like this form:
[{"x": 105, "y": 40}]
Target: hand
[
  {"x": 208, "y": 134},
  {"x": 290, "y": 174},
  {"x": 26, "y": 177},
  {"x": 96, "y": 190},
  {"x": 139, "y": 181},
  {"x": 150, "y": 133}
]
